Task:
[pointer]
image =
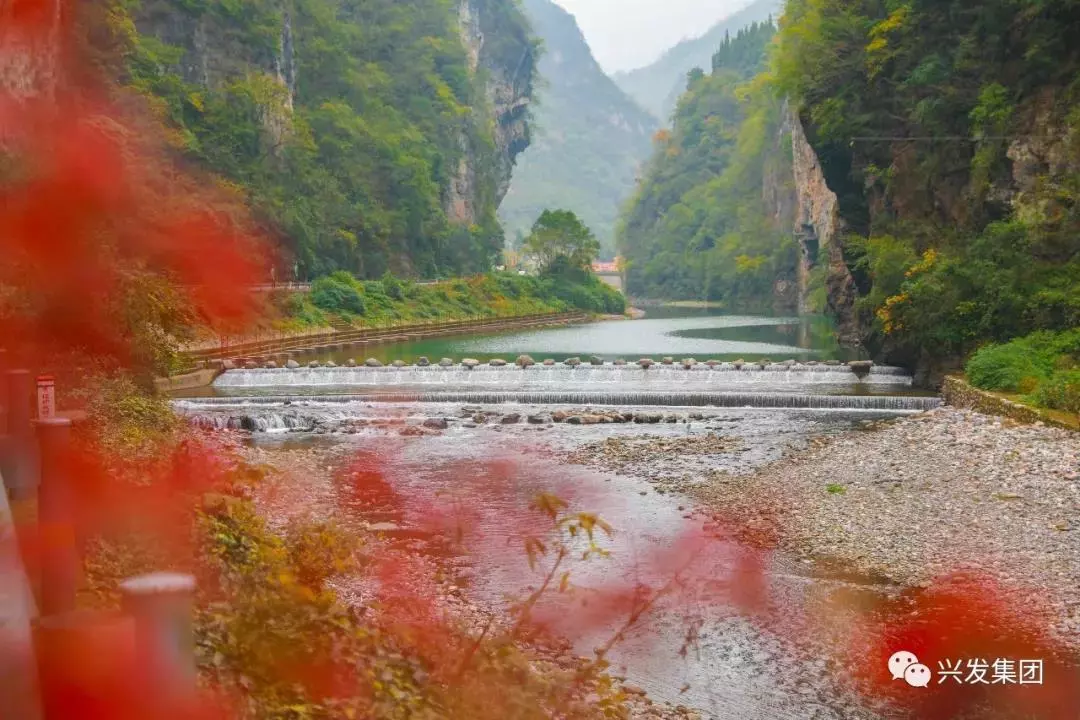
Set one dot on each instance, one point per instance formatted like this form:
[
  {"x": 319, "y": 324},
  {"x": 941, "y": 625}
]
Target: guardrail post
[
  {"x": 56, "y": 517},
  {"x": 19, "y": 469},
  {"x": 160, "y": 604}
]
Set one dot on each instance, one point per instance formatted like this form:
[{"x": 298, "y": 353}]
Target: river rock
[
  {"x": 270, "y": 364},
  {"x": 228, "y": 364},
  {"x": 524, "y": 361},
  {"x": 810, "y": 363},
  {"x": 789, "y": 363},
  {"x": 738, "y": 364},
  {"x": 572, "y": 362},
  {"x": 422, "y": 361},
  {"x": 510, "y": 419},
  {"x": 372, "y": 362},
  {"x": 292, "y": 364},
  {"x": 538, "y": 419},
  {"x": 667, "y": 360},
  {"x": 619, "y": 361},
  {"x": 470, "y": 363},
  {"x": 648, "y": 418},
  {"x": 712, "y": 363},
  {"x": 438, "y": 423},
  {"x": 446, "y": 362},
  {"x": 411, "y": 431},
  {"x": 595, "y": 360},
  {"x": 497, "y": 362},
  {"x": 313, "y": 364},
  {"x": 671, "y": 418},
  {"x": 330, "y": 364},
  {"x": 587, "y": 419},
  {"x": 763, "y": 362},
  {"x": 399, "y": 363},
  {"x": 689, "y": 363},
  {"x": 549, "y": 362},
  {"x": 560, "y": 416},
  {"x": 861, "y": 367},
  {"x": 832, "y": 362},
  {"x": 251, "y": 365},
  {"x": 351, "y": 362},
  {"x": 645, "y": 362}
]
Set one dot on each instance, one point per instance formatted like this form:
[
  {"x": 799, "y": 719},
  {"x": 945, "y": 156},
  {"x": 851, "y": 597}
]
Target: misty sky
[{"x": 626, "y": 34}]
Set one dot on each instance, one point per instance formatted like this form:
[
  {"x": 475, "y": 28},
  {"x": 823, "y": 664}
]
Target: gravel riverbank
[{"x": 907, "y": 500}]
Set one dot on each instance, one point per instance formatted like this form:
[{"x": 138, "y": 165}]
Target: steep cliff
[
  {"x": 941, "y": 159},
  {"x": 371, "y": 135},
  {"x": 590, "y": 138}
]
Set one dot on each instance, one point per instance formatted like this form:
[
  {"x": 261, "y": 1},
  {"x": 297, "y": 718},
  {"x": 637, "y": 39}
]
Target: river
[{"x": 757, "y": 413}]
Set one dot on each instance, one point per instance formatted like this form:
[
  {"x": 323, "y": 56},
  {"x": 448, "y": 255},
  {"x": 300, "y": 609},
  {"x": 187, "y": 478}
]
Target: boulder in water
[
  {"x": 645, "y": 362},
  {"x": 422, "y": 361},
  {"x": 549, "y": 362},
  {"x": 667, "y": 360},
  {"x": 647, "y": 417},
  {"x": 438, "y": 423},
  {"x": 470, "y": 363},
  {"x": 738, "y": 364},
  {"x": 411, "y": 431},
  {"x": 446, "y": 362},
  {"x": 572, "y": 362},
  {"x": 712, "y": 363},
  {"x": 861, "y": 367},
  {"x": 832, "y": 362},
  {"x": 763, "y": 362},
  {"x": 271, "y": 364},
  {"x": 587, "y": 419},
  {"x": 228, "y": 364},
  {"x": 538, "y": 419},
  {"x": 619, "y": 361},
  {"x": 251, "y": 365},
  {"x": 399, "y": 363},
  {"x": 314, "y": 364},
  {"x": 511, "y": 419},
  {"x": 559, "y": 416},
  {"x": 330, "y": 364},
  {"x": 496, "y": 362},
  {"x": 372, "y": 362},
  {"x": 351, "y": 362},
  {"x": 291, "y": 364},
  {"x": 688, "y": 363},
  {"x": 595, "y": 360},
  {"x": 524, "y": 361},
  {"x": 810, "y": 363}
]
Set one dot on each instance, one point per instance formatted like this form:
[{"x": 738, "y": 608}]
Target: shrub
[
  {"x": 338, "y": 293},
  {"x": 392, "y": 287},
  {"x": 1012, "y": 367},
  {"x": 1061, "y": 392}
]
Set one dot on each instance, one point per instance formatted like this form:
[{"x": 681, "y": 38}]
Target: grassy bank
[
  {"x": 1041, "y": 369},
  {"x": 341, "y": 297}
]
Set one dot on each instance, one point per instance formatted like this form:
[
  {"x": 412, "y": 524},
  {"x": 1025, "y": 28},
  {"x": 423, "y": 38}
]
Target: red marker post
[{"x": 46, "y": 397}]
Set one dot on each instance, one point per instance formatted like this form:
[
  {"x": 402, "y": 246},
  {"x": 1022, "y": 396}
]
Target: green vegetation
[
  {"x": 345, "y": 124},
  {"x": 950, "y": 133},
  {"x": 390, "y": 300},
  {"x": 1044, "y": 367},
  {"x": 657, "y": 87},
  {"x": 835, "y": 489},
  {"x": 559, "y": 237},
  {"x": 699, "y": 226},
  {"x": 588, "y": 139}
]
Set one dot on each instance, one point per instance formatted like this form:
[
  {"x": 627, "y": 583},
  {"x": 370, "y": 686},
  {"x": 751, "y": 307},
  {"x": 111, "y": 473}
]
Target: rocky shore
[{"x": 905, "y": 500}]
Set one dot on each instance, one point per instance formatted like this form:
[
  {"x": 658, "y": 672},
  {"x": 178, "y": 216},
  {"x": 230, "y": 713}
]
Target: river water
[{"x": 737, "y": 665}]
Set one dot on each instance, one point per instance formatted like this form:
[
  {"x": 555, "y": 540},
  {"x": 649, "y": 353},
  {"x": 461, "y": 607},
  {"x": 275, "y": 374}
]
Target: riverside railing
[
  {"x": 142, "y": 656},
  {"x": 275, "y": 343}
]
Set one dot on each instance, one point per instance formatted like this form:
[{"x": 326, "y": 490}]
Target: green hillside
[
  {"x": 368, "y": 134},
  {"x": 657, "y": 87}
]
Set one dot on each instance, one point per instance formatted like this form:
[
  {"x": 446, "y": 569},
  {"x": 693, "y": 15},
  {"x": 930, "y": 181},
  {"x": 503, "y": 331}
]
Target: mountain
[
  {"x": 369, "y": 135},
  {"x": 657, "y": 87},
  {"x": 588, "y": 137},
  {"x": 712, "y": 218}
]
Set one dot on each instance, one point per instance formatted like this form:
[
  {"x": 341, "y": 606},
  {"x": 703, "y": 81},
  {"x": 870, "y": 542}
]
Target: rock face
[
  {"x": 818, "y": 227},
  {"x": 508, "y": 64}
]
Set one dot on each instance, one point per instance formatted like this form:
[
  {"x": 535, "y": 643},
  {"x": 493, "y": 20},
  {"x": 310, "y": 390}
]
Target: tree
[{"x": 560, "y": 234}]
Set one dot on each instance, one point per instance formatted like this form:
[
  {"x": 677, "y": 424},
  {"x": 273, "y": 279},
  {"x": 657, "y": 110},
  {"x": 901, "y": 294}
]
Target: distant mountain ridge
[
  {"x": 588, "y": 138},
  {"x": 657, "y": 87}
]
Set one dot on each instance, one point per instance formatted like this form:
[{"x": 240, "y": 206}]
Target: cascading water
[{"x": 562, "y": 376}]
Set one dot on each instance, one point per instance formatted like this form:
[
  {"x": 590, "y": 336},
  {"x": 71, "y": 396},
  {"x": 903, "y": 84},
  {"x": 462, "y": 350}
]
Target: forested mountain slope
[
  {"x": 950, "y": 135},
  {"x": 368, "y": 134},
  {"x": 589, "y": 138},
  {"x": 712, "y": 217},
  {"x": 657, "y": 87}
]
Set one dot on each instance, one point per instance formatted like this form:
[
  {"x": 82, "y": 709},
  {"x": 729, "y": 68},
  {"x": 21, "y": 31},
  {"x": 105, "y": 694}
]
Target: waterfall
[{"x": 699, "y": 376}]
